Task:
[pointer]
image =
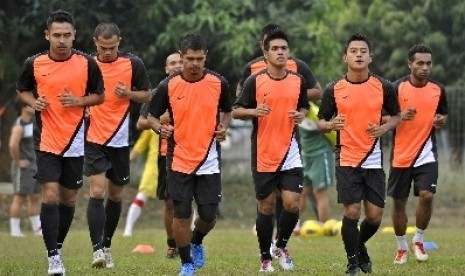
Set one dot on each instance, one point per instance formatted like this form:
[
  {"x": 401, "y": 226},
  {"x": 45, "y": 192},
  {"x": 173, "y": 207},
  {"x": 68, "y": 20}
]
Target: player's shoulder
[
  {"x": 385, "y": 84},
  {"x": 171, "y": 78},
  {"x": 129, "y": 55},
  {"x": 215, "y": 74},
  {"x": 436, "y": 83},
  {"x": 32, "y": 58},
  {"x": 333, "y": 83},
  {"x": 294, "y": 74},
  {"x": 400, "y": 80},
  {"x": 83, "y": 54}
]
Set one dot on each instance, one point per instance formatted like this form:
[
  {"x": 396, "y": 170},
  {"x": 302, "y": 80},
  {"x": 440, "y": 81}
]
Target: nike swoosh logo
[
  {"x": 125, "y": 178},
  {"x": 301, "y": 186},
  {"x": 79, "y": 182},
  {"x": 180, "y": 97}
]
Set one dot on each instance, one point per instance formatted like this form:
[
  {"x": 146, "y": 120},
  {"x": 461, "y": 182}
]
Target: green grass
[{"x": 231, "y": 252}]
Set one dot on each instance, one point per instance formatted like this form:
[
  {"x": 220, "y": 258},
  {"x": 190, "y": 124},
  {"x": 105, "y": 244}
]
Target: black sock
[
  {"x": 113, "y": 212},
  {"x": 350, "y": 235},
  {"x": 278, "y": 210},
  {"x": 197, "y": 237},
  {"x": 96, "y": 221},
  {"x": 66, "y": 218},
  {"x": 171, "y": 243},
  {"x": 288, "y": 222},
  {"x": 264, "y": 225},
  {"x": 185, "y": 254},
  {"x": 50, "y": 219},
  {"x": 367, "y": 231}
]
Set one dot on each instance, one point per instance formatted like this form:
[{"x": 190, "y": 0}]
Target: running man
[
  {"x": 108, "y": 138},
  {"x": 197, "y": 100},
  {"x": 353, "y": 106},
  {"x": 276, "y": 101},
  {"x": 415, "y": 158},
  {"x": 59, "y": 84}
]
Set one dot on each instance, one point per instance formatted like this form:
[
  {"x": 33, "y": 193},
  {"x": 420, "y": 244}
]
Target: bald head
[{"x": 173, "y": 63}]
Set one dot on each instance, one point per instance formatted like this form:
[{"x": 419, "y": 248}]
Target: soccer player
[
  {"x": 318, "y": 160},
  {"x": 353, "y": 106},
  {"x": 108, "y": 138},
  {"x": 414, "y": 159},
  {"x": 276, "y": 101},
  {"x": 59, "y": 84},
  {"x": 148, "y": 187},
  {"x": 23, "y": 169},
  {"x": 314, "y": 145},
  {"x": 194, "y": 98}
]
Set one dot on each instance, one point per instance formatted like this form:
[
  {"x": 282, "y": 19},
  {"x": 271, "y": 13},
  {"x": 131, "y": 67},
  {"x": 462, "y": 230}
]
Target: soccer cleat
[
  {"x": 98, "y": 259},
  {"x": 352, "y": 270},
  {"x": 187, "y": 269},
  {"x": 273, "y": 249},
  {"x": 401, "y": 256},
  {"x": 285, "y": 261},
  {"x": 55, "y": 265},
  {"x": 266, "y": 266},
  {"x": 198, "y": 255},
  {"x": 364, "y": 261},
  {"x": 108, "y": 258},
  {"x": 420, "y": 253},
  {"x": 171, "y": 253}
]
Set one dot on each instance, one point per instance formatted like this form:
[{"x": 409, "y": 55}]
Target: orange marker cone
[{"x": 143, "y": 248}]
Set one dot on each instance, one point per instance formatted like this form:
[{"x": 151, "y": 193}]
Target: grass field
[
  {"x": 232, "y": 249},
  {"x": 231, "y": 252}
]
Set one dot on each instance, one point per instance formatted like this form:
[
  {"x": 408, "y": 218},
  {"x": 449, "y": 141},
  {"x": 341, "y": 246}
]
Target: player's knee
[
  {"x": 207, "y": 212},
  {"x": 426, "y": 197},
  {"x": 182, "y": 209}
]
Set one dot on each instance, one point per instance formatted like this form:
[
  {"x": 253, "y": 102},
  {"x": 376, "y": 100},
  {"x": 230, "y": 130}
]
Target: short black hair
[
  {"x": 267, "y": 29},
  {"x": 194, "y": 42},
  {"x": 60, "y": 16},
  {"x": 418, "y": 48},
  {"x": 357, "y": 37},
  {"x": 275, "y": 34},
  {"x": 107, "y": 30}
]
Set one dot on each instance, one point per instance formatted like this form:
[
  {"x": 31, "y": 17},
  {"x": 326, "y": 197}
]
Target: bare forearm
[
  {"x": 26, "y": 97},
  {"x": 92, "y": 99},
  {"x": 154, "y": 123},
  {"x": 225, "y": 119},
  {"x": 243, "y": 113},
  {"x": 392, "y": 122},
  {"x": 140, "y": 96},
  {"x": 315, "y": 93}
]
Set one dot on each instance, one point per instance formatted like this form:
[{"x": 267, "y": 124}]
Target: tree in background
[{"x": 316, "y": 28}]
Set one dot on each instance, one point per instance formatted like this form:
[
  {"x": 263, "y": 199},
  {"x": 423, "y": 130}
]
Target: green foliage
[{"x": 317, "y": 29}]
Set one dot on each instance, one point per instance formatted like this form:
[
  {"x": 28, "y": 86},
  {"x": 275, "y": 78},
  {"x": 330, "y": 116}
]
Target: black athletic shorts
[
  {"x": 357, "y": 184},
  {"x": 424, "y": 177},
  {"x": 67, "y": 171},
  {"x": 267, "y": 182},
  {"x": 204, "y": 189},
  {"x": 113, "y": 161}
]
